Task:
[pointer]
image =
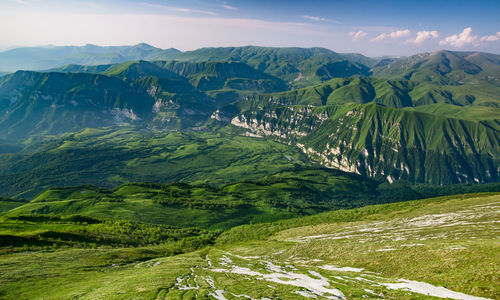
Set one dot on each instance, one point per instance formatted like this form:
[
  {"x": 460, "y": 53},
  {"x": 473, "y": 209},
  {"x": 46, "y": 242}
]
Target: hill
[
  {"x": 413, "y": 126},
  {"x": 286, "y": 194},
  {"x": 210, "y": 75},
  {"x": 109, "y": 157},
  {"x": 446, "y": 248},
  {"x": 297, "y": 66},
  {"x": 445, "y": 67},
  {"x": 34, "y": 103},
  {"x": 382, "y": 142},
  {"x": 53, "y": 103},
  {"x": 393, "y": 93},
  {"x": 429, "y": 248},
  {"x": 163, "y": 95}
]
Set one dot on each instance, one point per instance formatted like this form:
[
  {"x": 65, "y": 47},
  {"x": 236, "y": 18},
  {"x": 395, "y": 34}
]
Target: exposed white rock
[
  {"x": 123, "y": 115},
  {"x": 429, "y": 289},
  {"x": 341, "y": 269}
]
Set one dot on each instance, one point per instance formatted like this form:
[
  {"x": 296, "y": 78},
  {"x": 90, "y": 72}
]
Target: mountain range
[
  {"x": 248, "y": 172},
  {"x": 429, "y": 118}
]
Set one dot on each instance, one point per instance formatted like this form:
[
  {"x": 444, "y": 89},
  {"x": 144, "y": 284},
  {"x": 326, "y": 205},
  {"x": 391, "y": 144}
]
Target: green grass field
[
  {"x": 108, "y": 157},
  {"x": 445, "y": 246},
  {"x": 282, "y": 195}
]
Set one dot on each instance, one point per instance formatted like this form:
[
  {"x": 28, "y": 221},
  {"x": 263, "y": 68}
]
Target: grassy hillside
[
  {"x": 43, "y": 232},
  {"x": 383, "y": 142},
  {"x": 476, "y": 113},
  {"x": 445, "y": 248},
  {"x": 297, "y": 66},
  {"x": 273, "y": 197},
  {"x": 445, "y": 67},
  {"x": 110, "y": 157},
  {"x": 393, "y": 93},
  {"x": 163, "y": 95},
  {"x": 54, "y": 103},
  {"x": 7, "y": 204},
  {"x": 445, "y": 241}
]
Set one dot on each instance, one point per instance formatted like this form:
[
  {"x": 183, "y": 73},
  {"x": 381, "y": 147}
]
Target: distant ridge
[{"x": 47, "y": 57}]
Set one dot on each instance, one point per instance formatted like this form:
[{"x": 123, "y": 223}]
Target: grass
[
  {"x": 108, "y": 158},
  {"x": 300, "y": 191},
  {"x": 45, "y": 232},
  {"x": 282, "y": 195},
  {"x": 456, "y": 244},
  {"x": 88, "y": 274},
  {"x": 7, "y": 204},
  {"x": 448, "y": 241}
]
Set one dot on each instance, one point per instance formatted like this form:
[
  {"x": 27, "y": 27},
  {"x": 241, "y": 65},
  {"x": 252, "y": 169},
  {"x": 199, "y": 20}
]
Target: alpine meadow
[{"x": 249, "y": 149}]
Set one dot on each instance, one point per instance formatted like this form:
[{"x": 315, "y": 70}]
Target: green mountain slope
[
  {"x": 52, "y": 103},
  {"x": 230, "y": 75},
  {"x": 108, "y": 158},
  {"x": 155, "y": 94},
  {"x": 474, "y": 76},
  {"x": 445, "y": 242},
  {"x": 74, "y": 68},
  {"x": 298, "y": 66},
  {"x": 133, "y": 70},
  {"x": 202, "y": 75},
  {"x": 7, "y": 204},
  {"x": 445, "y": 67},
  {"x": 135, "y": 93},
  {"x": 384, "y": 142},
  {"x": 272, "y": 197},
  {"x": 443, "y": 129},
  {"x": 177, "y": 103},
  {"x": 394, "y": 93},
  {"x": 477, "y": 113}
]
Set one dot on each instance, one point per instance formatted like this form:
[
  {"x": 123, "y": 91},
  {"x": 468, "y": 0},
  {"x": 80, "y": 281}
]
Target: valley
[{"x": 248, "y": 173}]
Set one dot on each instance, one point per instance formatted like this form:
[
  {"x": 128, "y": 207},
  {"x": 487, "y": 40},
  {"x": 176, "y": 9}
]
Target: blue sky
[{"x": 372, "y": 28}]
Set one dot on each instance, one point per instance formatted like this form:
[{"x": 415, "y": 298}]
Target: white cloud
[
  {"x": 357, "y": 35},
  {"x": 491, "y": 38},
  {"x": 424, "y": 35},
  {"x": 461, "y": 39},
  {"x": 314, "y": 18},
  {"x": 227, "y": 6},
  {"x": 400, "y": 33},
  {"x": 181, "y": 9},
  {"x": 393, "y": 35},
  {"x": 379, "y": 37}
]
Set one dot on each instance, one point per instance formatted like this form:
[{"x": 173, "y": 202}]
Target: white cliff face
[
  {"x": 14, "y": 95},
  {"x": 161, "y": 105},
  {"x": 123, "y": 115},
  {"x": 152, "y": 90},
  {"x": 219, "y": 116},
  {"x": 337, "y": 153}
]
